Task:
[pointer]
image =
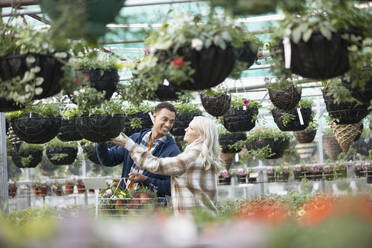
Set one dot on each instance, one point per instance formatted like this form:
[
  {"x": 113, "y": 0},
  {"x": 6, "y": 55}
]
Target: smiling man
[{"x": 156, "y": 140}]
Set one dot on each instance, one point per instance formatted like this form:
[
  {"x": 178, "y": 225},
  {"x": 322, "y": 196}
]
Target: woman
[{"x": 193, "y": 172}]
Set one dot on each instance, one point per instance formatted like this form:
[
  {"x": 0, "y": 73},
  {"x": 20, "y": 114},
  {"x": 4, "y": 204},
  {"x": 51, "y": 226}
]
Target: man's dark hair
[{"x": 165, "y": 105}]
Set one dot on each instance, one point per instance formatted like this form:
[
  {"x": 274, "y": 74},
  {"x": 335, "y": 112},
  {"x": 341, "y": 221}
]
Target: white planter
[{"x": 305, "y": 150}]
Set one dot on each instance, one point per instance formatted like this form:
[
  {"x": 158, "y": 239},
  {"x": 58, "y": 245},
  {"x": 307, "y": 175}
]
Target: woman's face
[{"x": 192, "y": 133}]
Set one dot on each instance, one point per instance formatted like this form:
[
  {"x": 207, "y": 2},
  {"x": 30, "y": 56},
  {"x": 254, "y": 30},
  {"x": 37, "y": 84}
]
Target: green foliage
[
  {"x": 237, "y": 145},
  {"x": 28, "y": 146},
  {"x": 135, "y": 123},
  {"x": 260, "y": 154},
  {"x": 59, "y": 156},
  {"x": 287, "y": 118},
  {"x": 187, "y": 108},
  {"x": 338, "y": 92},
  {"x": 305, "y": 103},
  {"x": 267, "y": 133},
  {"x": 219, "y": 90},
  {"x": 143, "y": 107},
  {"x": 95, "y": 60},
  {"x": 328, "y": 132},
  {"x": 57, "y": 143},
  {"x": 70, "y": 112},
  {"x": 14, "y": 114},
  {"x": 239, "y": 102}
]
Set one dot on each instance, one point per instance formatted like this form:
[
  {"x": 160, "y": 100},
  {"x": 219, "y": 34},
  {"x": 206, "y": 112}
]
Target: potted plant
[
  {"x": 224, "y": 178},
  {"x": 12, "y": 189},
  {"x": 27, "y": 156},
  {"x": 242, "y": 115},
  {"x": 240, "y": 173},
  {"x": 231, "y": 142},
  {"x": 33, "y": 65},
  {"x": 69, "y": 187},
  {"x": 68, "y": 130},
  {"x": 145, "y": 194},
  {"x": 40, "y": 189},
  {"x": 82, "y": 19},
  {"x": 328, "y": 171},
  {"x": 89, "y": 149},
  {"x": 307, "y": 135},
  {"x": 137, "y": 117},
  {"x": 37, "y": 123},
  {"x": 299, "y": 172},
  {"x": 282, "y": 174},
  {"x": 185, "y": 113},
  {"x": 318, "y": 36},
  {"x": 284, "y": 95},
  {"x": 98, "y": 120},
  {"x": 57, "y": 189},
  {"x": 290, "y": 120},
  {"x": 216, "y": 101},
  {"x": 330, "y": 144},
  {"x": 101, "y": 72},
  {"x": 195, "y": 52},
  {"x": 345, "y": 134},
  {"x": 359, "y": 170},
  {"x": 270, "y": 173},
  {"x": 340, "y": 170},
  {"x": 267, "y": 143},
  {"x": 80, "y": 186},
  {"x": 61, "y": 153}
]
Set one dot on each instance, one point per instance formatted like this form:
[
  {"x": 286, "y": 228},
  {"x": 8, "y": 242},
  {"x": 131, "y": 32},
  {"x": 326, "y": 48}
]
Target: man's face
[{"x": 163, "y": 121}]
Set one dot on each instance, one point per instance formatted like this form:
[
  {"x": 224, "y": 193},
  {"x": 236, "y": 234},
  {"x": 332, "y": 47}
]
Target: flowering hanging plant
[{"x": 240, "y": 102}]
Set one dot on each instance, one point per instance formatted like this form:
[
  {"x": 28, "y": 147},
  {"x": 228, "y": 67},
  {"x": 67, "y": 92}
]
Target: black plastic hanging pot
[
  {"x": 100, "y": 128},
  {"x": 285, "y": 99},
  {"x": 292, "y": 125},
  {"x": 181, "y": 122},
  {"x": 344, "y": 112},
  {"x": 103, "y": 80},
  {"x": 68, "y": 154},
  {"x": 68, "y": 130},
  {"x": 166, "y": 93},
  {"x": 216, "y": 105},
  {"x": 229, "y": 139},
  {"x": 277, "y": 146},
  {"x": 305, "y": 136},
  {"x": 320, "y": 58},
  {"x": 144, "y": 119},
  {"x": 247, "y": 53},
  {"x": 212, "y": 65},
  {"x": 90, "y": 151},
  {"x": 239, "y": 120},
  {"x": 33, "y": 158},
  {"x": 36, "y": 130}
]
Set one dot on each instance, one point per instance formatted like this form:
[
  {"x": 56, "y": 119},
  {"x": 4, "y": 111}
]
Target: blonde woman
[{"x": 193, "y": 172}]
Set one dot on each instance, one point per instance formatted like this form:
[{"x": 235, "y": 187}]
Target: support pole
[{"x": 3, "y": 167}]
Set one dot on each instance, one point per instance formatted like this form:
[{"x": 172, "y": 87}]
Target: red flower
[
  {"x": 82, "y": 77},
  {"x": 178, "y": 62}
]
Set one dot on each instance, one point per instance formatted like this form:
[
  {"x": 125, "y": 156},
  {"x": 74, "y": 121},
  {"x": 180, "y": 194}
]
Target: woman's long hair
[{"x": 210, "y": 147}]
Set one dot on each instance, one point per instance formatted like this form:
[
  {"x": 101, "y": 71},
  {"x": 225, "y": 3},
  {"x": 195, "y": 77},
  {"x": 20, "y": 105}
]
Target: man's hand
[
  {"x": 121, "y": 140},
  {"x": 137, "y": 177}
]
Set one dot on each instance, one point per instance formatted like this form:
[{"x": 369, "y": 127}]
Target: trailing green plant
[
  {"x": 287, "y": 118},
  {"x": 338, "y": 92},
  {"x": 238, "y": 145},
  {"x": 219, "y": 90},
  {"x": 38, "y": 109},
  {"x": 283, "y": 84},
  {"x": 141, "y": 108},
  {"x": 57, "y": 143},
  {"x": 97, "y": 60},
  {"x": 267, "y": 133},
  {"x": 187, "y": 108},
  {"x": 260, "y": 154},
  {"x": 305, "y": 103},
  {"x": 240, "y": 102},
  {"x": 70, "y": 112}
]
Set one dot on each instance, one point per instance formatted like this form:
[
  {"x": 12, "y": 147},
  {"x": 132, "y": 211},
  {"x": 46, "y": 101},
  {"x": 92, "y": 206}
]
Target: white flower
[
  {"x": 226, "y": 36},
  {"x": 197, "y": 44}
]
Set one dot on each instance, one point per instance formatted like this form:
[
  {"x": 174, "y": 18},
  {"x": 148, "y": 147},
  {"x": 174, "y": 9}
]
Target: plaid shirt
[{"x": 191, "y": 185}]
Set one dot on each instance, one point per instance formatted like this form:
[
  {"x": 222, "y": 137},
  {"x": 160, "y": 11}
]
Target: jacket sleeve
[
  {"x": 110, "y": 156},
  {"x": 172, "y": 166}
]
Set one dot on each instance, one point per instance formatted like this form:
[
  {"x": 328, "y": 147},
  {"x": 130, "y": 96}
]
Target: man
[{"x": 157, "y": 141}]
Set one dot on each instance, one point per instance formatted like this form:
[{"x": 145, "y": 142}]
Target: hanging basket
[
  {"x": 361, "y": 93},
  {"x": 144, "y": 119},
  {"x": 47, "y": 166},
  {"x": 68, "y": 131},
  {"x": 305, "y": 150},
  {"x": 277, "y": 146},
  {"x": 91, "y": 153},
  {"x": 293, "y": 125},
  {"x": 103, "y": 80},
  {"x": 229, "y": 139},
  {"x": 182, "y": 122},
  {"x": 345, "y": 134},
  {"x": 166, "y": 93},
  {"x": 362, "y": 146},
  {"x": 216, "y": 105},
  {"x": 100, "y": 128},
  {"x": 246, "y": 53},
  {"x": 212, "y": 65},
  {"x": 305, "y": 136},
  {"x": 320, "y": 58},
  {"x": 331, "y": 147},
  {"x": 96, "y": 14},
  {"x": 239, "y": 120},
  {"x": 345, "y": 112},
  {"x": 285, "y": 99},
  {"x": 27, "y": 158},
  {"x": 14, "y": 65},
  {"x": 8, "y": 105},
  {"x": 36, "y": 130},
  {"x": 69, "y": 154}
]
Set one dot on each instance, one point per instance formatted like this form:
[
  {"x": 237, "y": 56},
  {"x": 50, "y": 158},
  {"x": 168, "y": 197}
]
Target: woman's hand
[{"x": 121, "y": 140}]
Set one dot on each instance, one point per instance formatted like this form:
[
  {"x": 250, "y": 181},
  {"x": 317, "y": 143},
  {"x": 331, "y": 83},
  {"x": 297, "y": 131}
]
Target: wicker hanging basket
[
  {"x": 345, "y": 134},
  {"x": 331, "y": 147}
]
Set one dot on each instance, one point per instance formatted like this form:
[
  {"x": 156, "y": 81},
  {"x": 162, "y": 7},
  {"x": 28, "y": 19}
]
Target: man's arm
[{"x": 110, "y": 156}]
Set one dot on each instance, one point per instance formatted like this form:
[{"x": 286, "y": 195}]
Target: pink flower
[
  {"x": 270, "y": 171},
  {"x": 285, "y": 169},
  {"x": 298, "y": 168},
  {"x": 246, "y": 102},
  {"x": 147, "y": 51}
]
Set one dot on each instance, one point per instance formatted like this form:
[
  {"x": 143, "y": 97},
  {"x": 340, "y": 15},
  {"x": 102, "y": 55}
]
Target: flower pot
[
  {"x": 41, "y": 190},
  {"x": 14, "y": 65},
  {"x": 80, "y": 188},
  {"x": 345, "y": 112},
  {"x": 247, "y": 53},
  {"x": 103, "y": 80},
  {"x": 277, "y": 146},
  {"x": 292, "y": 125},
  {"x": 224, "y": 180},
  {"x": 305, "y": 150},
  {"x": 12, "y": 190},
  {"x": 90, "y": 151},
  {"x": 142, "y": 116},
  {"x": 33, "y": 156},
  {"x": 320, "y": 58},
  {"x": 229, "y": 139},
  {"x": 239, "y": 120},
  {"x": 69, "y": 154},
  {"x": 212, "y": 65},
  {"x": 69, "y": 189},
  {"x": 227, "y": 159},
  {"x": 216, "y": 105},
  {"x": 331, "y": 147},
  {"x": 345, "y": 134},
  {"x": 362, "y": 146},
  {"x": 36, "y": 130},
  {"x": 58, "y": 192},
  {"x": 305, "y": 136},
  {"x": 181, "y": 122},
  {"x": 92, "y": 21},
  {"x": 68, "y": 130},
  {"x": 100, "y": 128},
  {"x": 285, "y": 99},
  {"x": 281, "y": 177}
]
